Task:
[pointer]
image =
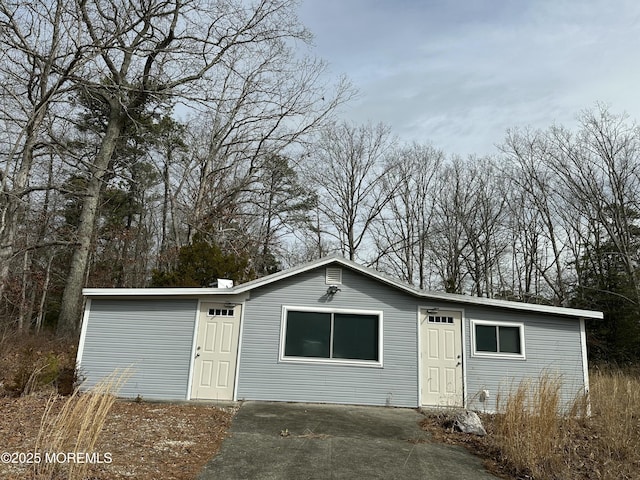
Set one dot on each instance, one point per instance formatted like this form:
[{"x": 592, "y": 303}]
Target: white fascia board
[
  {"x": 203, "y": 291},
  {"x": 246, "y": 287},
  {"x": 274, "y": 277},
  {"x": 155, "y": 292},
  {"x": 529, "y": 307},
  {"x": 467, "y": 299}
]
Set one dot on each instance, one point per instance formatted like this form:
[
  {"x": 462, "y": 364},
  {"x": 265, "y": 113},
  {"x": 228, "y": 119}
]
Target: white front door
[
  {"x": 441, "y": 358},
  {"x": 214, "y": 367}
]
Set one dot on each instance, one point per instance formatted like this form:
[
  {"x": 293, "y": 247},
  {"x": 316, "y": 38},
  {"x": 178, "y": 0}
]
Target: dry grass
[
  {"x": 75, "y": 428},
  {"x": 145, "y": 440},
  {"x": 142, "y": 440},
  {"x": 528, "y": 432},
  {"x": 531, "y": 439},
  {"x": 615, "y": 423},
  {"x": 536, "y": 440}
]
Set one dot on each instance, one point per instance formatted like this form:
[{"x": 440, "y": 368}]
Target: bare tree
[
  {"x": 162, "y": 50},
  {"x": 42, "y": 49},
  {"x": 484, "y": 224},
  {"x": 266, "y": 107},
  {"x": 453, "y": 204},
  {"x": 403, "y": 232},
  {"x": 348, "y": 168},
  {"x": 599, "y": 175},
  {"x": 311, "y": 241},
  {"x": 541, "y": 238}
]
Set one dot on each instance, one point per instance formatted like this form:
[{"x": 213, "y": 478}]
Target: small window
[
  {"x": 342, "y": 336},
  {"x": 221, "y": 312},
  {"x": 439, "y": 319},
  {"x": 498, "y": 339}
]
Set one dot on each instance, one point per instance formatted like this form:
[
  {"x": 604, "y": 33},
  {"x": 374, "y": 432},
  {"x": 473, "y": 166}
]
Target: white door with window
[
  {"x": 441, "y": 358},
  {"x": 216, "y": 351}
]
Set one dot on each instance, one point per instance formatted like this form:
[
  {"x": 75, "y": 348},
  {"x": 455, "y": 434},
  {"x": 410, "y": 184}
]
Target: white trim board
[
  {"x": 369, "y": 272},
  {"x": 83, "y": 333}
]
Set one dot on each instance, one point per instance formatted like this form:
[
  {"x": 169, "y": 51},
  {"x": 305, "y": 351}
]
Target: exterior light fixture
[{"x": 332, "y": 290}]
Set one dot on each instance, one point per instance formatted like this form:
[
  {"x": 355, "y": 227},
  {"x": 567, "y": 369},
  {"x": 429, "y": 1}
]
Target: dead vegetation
[
  {"x": 76, "y": 427},
  {"x": 33, "y": 363},
  {"x": 144, "y": 440},
  {"x": 529, "y": 440},
  {"x": 116, "y": 439}
]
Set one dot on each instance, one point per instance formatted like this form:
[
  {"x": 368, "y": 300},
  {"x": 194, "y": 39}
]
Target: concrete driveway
[{"x": 308, "y": 441}]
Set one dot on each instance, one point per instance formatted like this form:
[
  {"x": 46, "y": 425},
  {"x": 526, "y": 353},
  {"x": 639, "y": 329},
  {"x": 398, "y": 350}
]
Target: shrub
[{"x": 35, "y": 362}]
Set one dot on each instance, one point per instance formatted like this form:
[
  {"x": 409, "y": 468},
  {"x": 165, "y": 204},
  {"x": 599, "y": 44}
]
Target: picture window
[{"x": 332, "y": 335}]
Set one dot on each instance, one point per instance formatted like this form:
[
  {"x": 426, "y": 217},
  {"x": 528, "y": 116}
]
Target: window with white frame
[
  {"x": 498, "y": 339},
  {"x": 332, "y": 335}
]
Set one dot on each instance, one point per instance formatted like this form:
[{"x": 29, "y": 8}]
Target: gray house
[{"x": 329, "y": 331}]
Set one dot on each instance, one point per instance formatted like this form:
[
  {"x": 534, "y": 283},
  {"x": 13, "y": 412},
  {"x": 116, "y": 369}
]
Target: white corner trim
[
  {"x": 419, "y": 354},
  {"x": 83, "y": 333},
  {"x": 585, "y": 364},
  {"x": 194, "y": 339},
  {"x": 463, "y": 339},
  {"x": 239, "y": 352}
]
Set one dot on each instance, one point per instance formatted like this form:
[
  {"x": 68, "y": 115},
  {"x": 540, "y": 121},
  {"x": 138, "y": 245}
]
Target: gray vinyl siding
[
  {"x": 152, "y": 337},
  {"x": 263, "y": 377},
  {"x": 552, "y": 346}
]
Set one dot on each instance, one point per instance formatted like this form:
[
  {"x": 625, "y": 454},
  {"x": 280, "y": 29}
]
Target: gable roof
[{"x": 337, "y": 260}]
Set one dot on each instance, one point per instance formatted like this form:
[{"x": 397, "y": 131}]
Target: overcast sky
[{"x": 458, "y": 73}]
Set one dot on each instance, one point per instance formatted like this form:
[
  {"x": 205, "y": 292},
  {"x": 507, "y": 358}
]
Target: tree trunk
[
  {"x": 71, "y": 309},
  {"x": 11, "y": 206},
  {"x": 43, "y": 298}
]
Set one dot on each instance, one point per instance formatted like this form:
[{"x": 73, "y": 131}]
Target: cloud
[{"x": 458, "y": 74}]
